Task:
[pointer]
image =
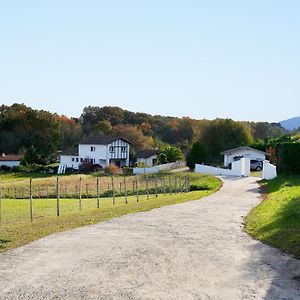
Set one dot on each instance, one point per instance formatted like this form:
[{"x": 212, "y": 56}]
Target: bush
[
  {"x": 288, "y": 158},
  {"x": 86, "y": 166},
  {"x": 197, "y": 155},
  {"x": 5, "y": 168},
  {"x": 127, "y": 171},
  {"x": 199, "y": 187},
  {"x": 112, "y": 169}
]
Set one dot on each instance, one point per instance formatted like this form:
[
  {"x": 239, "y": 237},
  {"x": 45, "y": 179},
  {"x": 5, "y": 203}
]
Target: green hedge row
[{"x": 288, "y": 158}]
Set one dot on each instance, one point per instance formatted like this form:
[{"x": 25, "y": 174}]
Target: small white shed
[
  {"x": 147, "y": 157},
  {"x": 246, "y": 152}
]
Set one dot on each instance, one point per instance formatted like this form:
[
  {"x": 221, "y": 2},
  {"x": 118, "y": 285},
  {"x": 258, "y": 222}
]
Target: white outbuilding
[
  {"x": 242, "y": 152},
  {"x": 147, "y": 157}
]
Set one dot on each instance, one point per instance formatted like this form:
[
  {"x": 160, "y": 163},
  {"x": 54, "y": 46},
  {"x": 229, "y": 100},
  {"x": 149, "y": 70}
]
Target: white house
[
  {"x": 100, "y": 150},
  {"x": 147, "y": 157},
  {"x": 10, "y": 160},
  {"x": 246, "y": 152}
]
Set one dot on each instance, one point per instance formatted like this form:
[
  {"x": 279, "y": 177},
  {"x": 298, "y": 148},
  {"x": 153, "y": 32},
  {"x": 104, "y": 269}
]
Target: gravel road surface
[{"x": 193, "y": 250}]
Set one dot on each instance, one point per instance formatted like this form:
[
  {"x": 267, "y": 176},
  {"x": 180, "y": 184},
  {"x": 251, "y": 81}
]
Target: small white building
[
  {"x": 10, "y": 160},
  {"x": 246, "y": 152},
  {"x": 147, "y": 157},
  {"x": 100, "y": 150}
]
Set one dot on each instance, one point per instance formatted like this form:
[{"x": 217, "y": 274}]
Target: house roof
[
  {"x": 146, "y": 153},
  {"x": 70, "y": 152},
  {"x": 10, "y": 157},
  {"x": 242, "y": 148},
  {"x": 101, "y": 140}
]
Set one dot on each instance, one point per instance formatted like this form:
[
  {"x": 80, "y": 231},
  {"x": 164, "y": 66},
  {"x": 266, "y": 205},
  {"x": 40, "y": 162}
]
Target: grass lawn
[
  {"x": 276, "y": 221},
  {"x": 16, "y": 228}
]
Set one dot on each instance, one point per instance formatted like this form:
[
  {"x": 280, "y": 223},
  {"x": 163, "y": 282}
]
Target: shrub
[
  {"x": 86, "y": 166},
  {"x": 5, "y": 168},
  {"x": 199, "y": 187},
  {"x": 288, "y": 158},
  {"x": 112, "y": 169},
  {"x": 197, "y": 155}
]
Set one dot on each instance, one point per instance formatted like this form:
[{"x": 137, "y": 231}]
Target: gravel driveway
[{"x": 194, "y": 250}]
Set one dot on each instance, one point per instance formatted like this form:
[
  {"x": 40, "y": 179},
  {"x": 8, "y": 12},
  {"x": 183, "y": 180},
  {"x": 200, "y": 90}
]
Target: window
[
  {"x": 81, "y": 159},
  {"x": 77, "y": 159},
  {"x": 111, "y": 149},
  {"x": 73, "y": 159},
  {"x": 93, "y": 148},
  {"x": 92, "y": 160},
  {"x": 123, "y": 149}
]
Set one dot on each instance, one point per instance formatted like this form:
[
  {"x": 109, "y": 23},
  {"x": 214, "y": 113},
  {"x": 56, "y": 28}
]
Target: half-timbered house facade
[{"x": 100, "y": 150}]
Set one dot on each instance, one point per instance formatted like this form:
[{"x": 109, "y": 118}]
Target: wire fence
[{"x": 33, "y": 202}]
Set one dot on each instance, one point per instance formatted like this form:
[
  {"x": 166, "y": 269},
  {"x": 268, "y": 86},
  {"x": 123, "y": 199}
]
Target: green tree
[
  {"x": 104, "y": 127},
  {"x": 170, "y": 154},
  {"x": 31, "y": 156},
  {"x": 197, "y": 155},
  {"x": 223, "y": 134}
]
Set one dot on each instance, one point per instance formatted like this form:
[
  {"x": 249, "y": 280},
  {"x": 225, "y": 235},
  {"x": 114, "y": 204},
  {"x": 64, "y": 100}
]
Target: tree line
[{"x": 42, "y": 134}]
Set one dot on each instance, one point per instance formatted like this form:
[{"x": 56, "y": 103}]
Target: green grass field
[
  {"x": 276, "y": 221},
  {"x": 16, "y": 228}
]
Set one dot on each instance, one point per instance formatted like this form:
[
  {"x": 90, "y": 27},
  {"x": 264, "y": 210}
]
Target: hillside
[{"x": 291, "y": 124}]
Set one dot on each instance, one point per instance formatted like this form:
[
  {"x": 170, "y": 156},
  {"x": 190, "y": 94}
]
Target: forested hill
[{"x": 22, "y": 127}]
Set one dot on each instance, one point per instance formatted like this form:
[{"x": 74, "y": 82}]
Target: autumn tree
[{"x": 135, "y": 135}]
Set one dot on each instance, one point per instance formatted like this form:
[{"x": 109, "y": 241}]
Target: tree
[
  {"x": 170, "y": 154},
  {"x": 134, "y": 135},
  {"x": 197, "y": 155},
  {"x": 223, "y": 134},
  {"x": 31, "y": 157},
  {"x": 104, "y": 127}
]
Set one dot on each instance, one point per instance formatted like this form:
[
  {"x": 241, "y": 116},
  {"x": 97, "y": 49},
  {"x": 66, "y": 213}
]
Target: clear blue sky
[{"x": 204, "y": 59}]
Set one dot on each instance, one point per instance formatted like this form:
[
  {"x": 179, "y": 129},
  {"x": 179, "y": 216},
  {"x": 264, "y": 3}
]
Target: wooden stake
[
  {"x": 80, "y": 195},
  {"x": 113, "y": 188},
  {"x": 137, "y": 189},
  {"x": 98, "y": 194},
  {"x": 125, "y": 190},
  {"x": 30, "y": 200},
  {"x": 57, "y": 197},
  {"x": 147, "y": 186}
]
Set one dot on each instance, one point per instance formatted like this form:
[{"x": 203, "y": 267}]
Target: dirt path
[{"x": 194, "y": 250}]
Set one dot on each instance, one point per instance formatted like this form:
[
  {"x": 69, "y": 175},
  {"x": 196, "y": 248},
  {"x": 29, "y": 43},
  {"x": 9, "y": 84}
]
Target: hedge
[{"x": 288, "y": 158}]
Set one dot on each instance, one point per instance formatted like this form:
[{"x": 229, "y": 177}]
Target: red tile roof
[{"x": 10, "y": 157}]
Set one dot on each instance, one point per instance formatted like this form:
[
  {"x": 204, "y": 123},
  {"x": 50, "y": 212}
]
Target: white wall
[
  {"x": 158, "y": 168},
  {"x": 238, "y": 168},
  {"x": 66, "y": 160},
  {"x": 10, "y": 163},
  {"x": 269, "y": 170},
  {"x": 251, "y": 154},
  {"x": 99, "y": 153}
]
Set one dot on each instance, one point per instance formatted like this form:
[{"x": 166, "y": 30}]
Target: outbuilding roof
[
  {"x": 10, "y": 157},
  {"x": 146, "y": 153},
  {"x": 242, "y": 148}
]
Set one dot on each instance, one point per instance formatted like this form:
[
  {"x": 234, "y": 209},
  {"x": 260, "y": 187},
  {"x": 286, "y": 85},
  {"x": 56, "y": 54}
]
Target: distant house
[
  {"x": 147, "y": 157},
  {"x": 247, "y": 152},
  {"x": 100, "y": 150},
  {"x": 10, "y": 160}
]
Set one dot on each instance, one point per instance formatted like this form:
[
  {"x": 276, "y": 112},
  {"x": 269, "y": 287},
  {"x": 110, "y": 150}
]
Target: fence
[{"x": 32, "y": 202}]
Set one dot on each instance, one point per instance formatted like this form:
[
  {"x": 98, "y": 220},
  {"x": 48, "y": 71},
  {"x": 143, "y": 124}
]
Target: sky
[{"x": 204, "y": 59}]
